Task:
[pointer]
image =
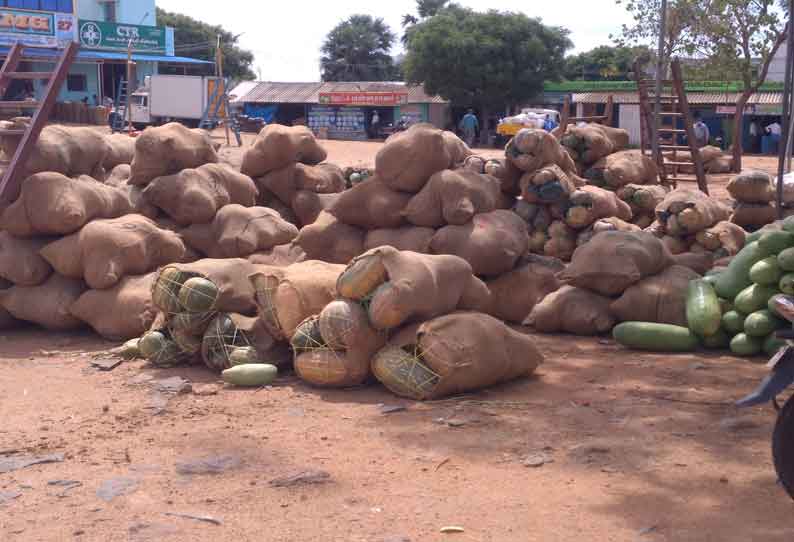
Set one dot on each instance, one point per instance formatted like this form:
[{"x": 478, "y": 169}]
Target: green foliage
[
  {"x": 490, "y": 59},
  {"x": 604, "y": 63},
  {"x": 680, "y": 38},
  {"x": 196, "y": 39},
  {"x": 357, "y": 49}
]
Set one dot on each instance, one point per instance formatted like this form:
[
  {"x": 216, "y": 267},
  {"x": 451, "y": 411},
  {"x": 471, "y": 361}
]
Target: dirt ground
[{"x": 602, "y": 445}]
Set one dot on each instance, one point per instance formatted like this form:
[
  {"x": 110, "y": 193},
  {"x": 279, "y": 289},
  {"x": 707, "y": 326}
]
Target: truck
[
  {"x": 167, "y": 98},
  {"x": 528, "y": 118}
]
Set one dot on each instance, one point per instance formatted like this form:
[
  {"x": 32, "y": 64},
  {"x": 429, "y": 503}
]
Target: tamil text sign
[
  {"x": 36, "y": 28},
  {"x": 373, "y": 99},
  {"x": 101, "y": 35},
  {"x": 731, "y": 110}
]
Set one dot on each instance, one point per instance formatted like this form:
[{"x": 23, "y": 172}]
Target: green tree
[
  {"x": 742, "y": 37},
  {"x": 605, "y": 63},
  {"x": 357, "y": 49},
  {"x": 491, "y": 60},
  {"x": 196, "y": 39}
]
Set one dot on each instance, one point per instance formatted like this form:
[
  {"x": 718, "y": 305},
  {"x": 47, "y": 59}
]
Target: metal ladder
[
  {"x": 12, "y": 177},
  {"x": 212, "y": 118},
  {"x": 675, "y": 108},
  {"x": 122, "y": 101}
]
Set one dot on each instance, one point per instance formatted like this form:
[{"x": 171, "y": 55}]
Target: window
[
  {"x": 77, "y": 82},
  {"x": 63, "y": 6},
  {"x": 110, "y": 12}
]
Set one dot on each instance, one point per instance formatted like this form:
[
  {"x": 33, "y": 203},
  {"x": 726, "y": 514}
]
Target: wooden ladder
[
  {"x": 566, "y": 119},
  {"x": 12, "y": 177},
  {"x": 674, "y": 108}
]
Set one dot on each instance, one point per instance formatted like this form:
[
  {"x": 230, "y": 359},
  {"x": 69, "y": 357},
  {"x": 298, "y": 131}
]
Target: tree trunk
[{"x": 738, "y": 130}]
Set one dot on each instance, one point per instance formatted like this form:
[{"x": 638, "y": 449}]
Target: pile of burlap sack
[
  {"x": 755, "y": 193},
  {"x": 562, "y": 211},
  {"x": 99, "y": 215},
  {"x": 618, "y": 277},
  {"x": 715, "y": 161},
  {"x": 690, "y": 222}
]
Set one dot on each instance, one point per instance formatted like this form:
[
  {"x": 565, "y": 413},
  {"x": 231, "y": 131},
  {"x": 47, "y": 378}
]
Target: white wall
[
  {"x": 140, "y": 12},
  {"x": 629, "y": 119},
  {"x": 777, "y": 69}
]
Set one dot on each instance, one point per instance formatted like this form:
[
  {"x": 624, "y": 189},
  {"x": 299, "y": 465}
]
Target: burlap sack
[
  {"x": 10, "y": 142},
  {"x": 592, "y": 203},
  {"x": 52, "y": 204},
  {"x": 20, "y": 261},
  {"x": 167, "y": 150},
  {"x": 572, "y": 310},
  {"x": 280, "y": 256},
  {"x": 286, "y": 212},
  {"x": 752, "y": 186},
  {"x": 47, "y": 304},
  {"x": 507, "y": 173},
  {"x": 194, "y": 196},
  {"x": 138, "y": 201},
  {"x": 278, "y": 146},
  {"x": 371, "y": 205},
  {"x": 613, "y": 261},
  {"x": 121, "y": 150},
  {"x": 532, "y": 149},
  {"x": 120, "y": 313},
  {"x": 720, "y": 165},
  {"x": 492, "y": 242},
  {"x": 726, "y": 236},
  {"x": 590, "y": 143},
  {"x": 238, "y": 232},
  {"x": 408, "y": 238},
  {"x": 230, "y": 276},
  {"x": 6, "y": 320},
  {"x": 350, "y": 343},
  {"x": 105, "y": 251},
  {"x": 754, "y": 215},
  {"x": 549, "y": 184},
  {"x": 454, "y": 354},
  {"x": 410, "y": 158},
  {"x": 475, "y": 164},
  {"x": 622, "y": 168},
  {"x": 330, "y": 240},
  {"x": 68, "y": 150},
  {"x": 229, "y": 331},
  {"x": 687, "y": 212},
  {"x": 660, "y": 299},
  {"x": 119, "y": 175},
  {"x": 644, "y": 198},
  {"x": 453, "y": 197},
  {"x": 516, "y": 293},
  {"x": 700, "y": 263},
  {"x": 457, "y": 148},
  {"x": 285, "y": 182},
  {"x": 407, "y": 286},
  {"x": 602, "y": 225},
  {"x": 286, "y": 297},
  {"x": 307, "y": 205}
]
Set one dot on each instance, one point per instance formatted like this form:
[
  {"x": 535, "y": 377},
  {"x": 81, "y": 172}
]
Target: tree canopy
[
  {"x": 358, "y": 49},
  {"x": 487, "y": 60},
  {"x": 604, "y": 63},
  {"x": 196, "y": 39}
]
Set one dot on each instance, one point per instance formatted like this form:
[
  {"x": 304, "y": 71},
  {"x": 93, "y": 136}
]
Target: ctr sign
[{"x": 103, "y": 35}]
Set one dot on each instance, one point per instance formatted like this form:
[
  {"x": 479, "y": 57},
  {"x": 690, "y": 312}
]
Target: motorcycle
[{"x": 780, "y": 378}]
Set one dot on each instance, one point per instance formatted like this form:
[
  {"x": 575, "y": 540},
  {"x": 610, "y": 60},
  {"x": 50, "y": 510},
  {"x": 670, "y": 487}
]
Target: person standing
[
  {"x": 775, "y": 130},
  {"x": 549, "y": 125},
  {"x": 375, "y": 125},
  {"x": 755, "y": 136},
  {"x": 702, "y": 133},
  {"x": 469, "y": 124}
]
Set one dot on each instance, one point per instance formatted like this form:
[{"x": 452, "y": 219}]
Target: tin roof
[
  {"x": 309, "y": 93},
  {"x": 698, "y": 98}
]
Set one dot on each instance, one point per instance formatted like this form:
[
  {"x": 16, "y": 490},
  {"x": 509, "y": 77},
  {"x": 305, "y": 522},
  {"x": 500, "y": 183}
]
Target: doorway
[{"x": 113, "y": 73}]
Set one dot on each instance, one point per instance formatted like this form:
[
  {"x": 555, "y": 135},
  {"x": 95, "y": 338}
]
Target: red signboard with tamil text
[{"x": 374, "y": 99}]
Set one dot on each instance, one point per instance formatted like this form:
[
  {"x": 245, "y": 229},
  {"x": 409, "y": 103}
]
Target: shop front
[{"x": 359, "y": 115}]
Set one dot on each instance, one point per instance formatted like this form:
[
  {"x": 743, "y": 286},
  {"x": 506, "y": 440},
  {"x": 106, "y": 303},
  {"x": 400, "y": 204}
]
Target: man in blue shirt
[
  {"x": 549, "y": 125},
  {"x": 469, "y": 124}
]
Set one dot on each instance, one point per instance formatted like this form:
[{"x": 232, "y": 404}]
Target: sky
[{"x": 286, "y": 36}]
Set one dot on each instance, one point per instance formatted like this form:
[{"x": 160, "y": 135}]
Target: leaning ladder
[
  {"x": 212, "y": 117},
  {"x": 12, "y": 176}
]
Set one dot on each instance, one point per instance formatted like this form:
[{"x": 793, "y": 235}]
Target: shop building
[
  {"x": 341, "y": 110},
  {"x": 104, "y": 29}
]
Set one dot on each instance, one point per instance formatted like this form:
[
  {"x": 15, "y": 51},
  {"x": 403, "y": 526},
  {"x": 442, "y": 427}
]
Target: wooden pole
[
  {"x": 222, "y": 90},
  {"x": 129, "y": 88},
  {"x": 785, "y": 121},
  {"x": 656, "y": 124}
]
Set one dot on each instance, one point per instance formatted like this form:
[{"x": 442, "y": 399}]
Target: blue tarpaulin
[{"x": 267, "y": 112}]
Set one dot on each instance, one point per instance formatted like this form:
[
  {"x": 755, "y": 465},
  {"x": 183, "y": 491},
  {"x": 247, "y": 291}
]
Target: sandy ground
[{"x": 602, "y": 445}]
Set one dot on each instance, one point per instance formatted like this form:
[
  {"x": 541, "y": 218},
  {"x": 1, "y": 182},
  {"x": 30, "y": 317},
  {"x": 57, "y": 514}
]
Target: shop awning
[{"x": 35, "y": 53}]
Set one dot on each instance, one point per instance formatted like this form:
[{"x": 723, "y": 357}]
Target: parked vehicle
[
  {"x": 780, "y": 379},
  {"x": 166, "y": 98}
]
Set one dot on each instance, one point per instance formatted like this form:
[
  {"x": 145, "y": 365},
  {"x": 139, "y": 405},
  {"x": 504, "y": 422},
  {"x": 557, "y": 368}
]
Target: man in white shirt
[
  {"x": 774, "y": 129},
  {"x": 702, "y": 132}
]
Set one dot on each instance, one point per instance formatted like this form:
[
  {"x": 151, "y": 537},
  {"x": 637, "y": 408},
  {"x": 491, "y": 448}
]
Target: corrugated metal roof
[
  {"x": 309, "y": 93},
  {"x": 699, "y": 98},
  {"x": 241, "y": 90}
]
